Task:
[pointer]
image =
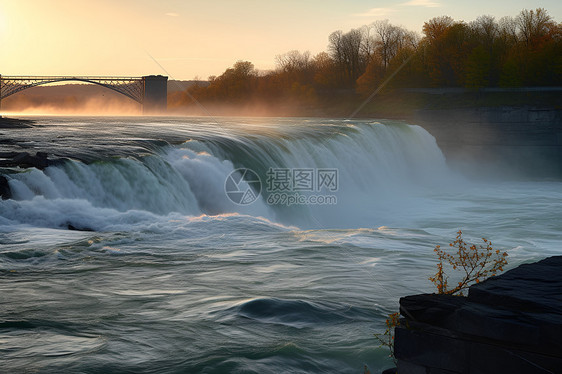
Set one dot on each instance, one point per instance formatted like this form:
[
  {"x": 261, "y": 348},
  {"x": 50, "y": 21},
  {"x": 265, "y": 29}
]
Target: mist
[{"x": 70, "y": 99}]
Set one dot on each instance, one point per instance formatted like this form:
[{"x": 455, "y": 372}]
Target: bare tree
[
  {"x": 386, "y": 39},
  {"x": 486, "y": 29},
  {"x": 389, "y": 40},
  {"x": 336, "y": 48},
  {"x": 412, "y": 39},
  {"x": 533, "y": 24},
  {"x": 507, "y": 28},
  {"x": 345, "y": 50},
  {"x": 368, "y": 44},
  {"x": 293, "y": 61}
]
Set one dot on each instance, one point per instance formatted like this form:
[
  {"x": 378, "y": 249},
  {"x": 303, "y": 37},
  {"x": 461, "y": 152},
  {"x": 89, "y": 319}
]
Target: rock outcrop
[
  {"x": 5, "y": 192},
  {"x": 24, "y": 160},
  {"x": 511, "y": 323}
]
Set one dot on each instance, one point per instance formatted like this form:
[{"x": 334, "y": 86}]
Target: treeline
[{"x": 525, "y": 50}]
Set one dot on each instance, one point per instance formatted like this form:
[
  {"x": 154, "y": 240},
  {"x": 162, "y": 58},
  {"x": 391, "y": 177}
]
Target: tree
[
  {"x": 514, "y": 51},
  {"x": 436, "y": 27},
  {"x": 510, "y": 74},
  {"x": 345, "y": 50},
  {"x": 324, "y": 71},
  {"x": 507, "y": 30},
  {"x": 486, "y": 30},
  {"x": 390, "y": 39},
  {"x": 534, "y": 25},
  {"x": 475, "y": 263},
  {"x": 386, "y": 40},
  {"x": 372, "y": 77},
  {"x": 472, "y": 264},
  {"x": 235, "y": 85},
  {"x": 447, "y": 47},
  {"x": 484, "y": 61},
  {"x": 537, "y": 52},
  {"x": 478, "y": 68},
  {"x": 295, "y": 67},
  {"x": 293, "y": 61}
]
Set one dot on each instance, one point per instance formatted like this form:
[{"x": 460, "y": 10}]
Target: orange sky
[{"x": 198, "y": 38}]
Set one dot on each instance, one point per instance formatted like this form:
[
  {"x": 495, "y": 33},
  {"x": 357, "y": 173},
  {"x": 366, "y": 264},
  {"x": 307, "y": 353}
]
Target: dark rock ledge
[
  {"x": 511, "y": 323},
  {"x": 14, "y": 123},
  {"x": 24, "y": 160}
]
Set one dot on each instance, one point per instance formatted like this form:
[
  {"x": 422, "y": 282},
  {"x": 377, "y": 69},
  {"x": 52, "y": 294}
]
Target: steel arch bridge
[{"x": 150, "y": 91}]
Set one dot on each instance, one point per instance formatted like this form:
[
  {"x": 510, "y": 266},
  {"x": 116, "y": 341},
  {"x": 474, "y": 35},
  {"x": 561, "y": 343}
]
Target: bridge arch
[{"x": 150, "y": 91}]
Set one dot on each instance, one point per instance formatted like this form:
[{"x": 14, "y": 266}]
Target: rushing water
[{"x": 128, "y": 256}]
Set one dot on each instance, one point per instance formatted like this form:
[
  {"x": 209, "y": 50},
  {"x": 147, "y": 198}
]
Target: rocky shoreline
[{"x": 511, "y": 323}]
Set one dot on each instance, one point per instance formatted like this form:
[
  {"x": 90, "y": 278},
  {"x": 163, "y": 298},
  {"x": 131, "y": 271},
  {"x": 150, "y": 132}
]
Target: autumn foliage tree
[
  {"x": 475, "y": 263},
  {"x": 525, "y": 50}
]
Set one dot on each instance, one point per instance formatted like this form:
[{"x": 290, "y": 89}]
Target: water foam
[{"x": 379, "y": 166}]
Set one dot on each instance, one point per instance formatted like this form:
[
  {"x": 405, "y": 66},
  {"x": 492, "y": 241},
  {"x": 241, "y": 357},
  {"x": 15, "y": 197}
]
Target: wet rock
[
  {"x": 5, "y": 192},
  {"x": 21, "y": 158},
  {"x": 25, "y": 160},
  {"x": 13, "y": 123},
  {"x": 72, "y": 227},
  {"x": 511, "y": 323},
  {"x": 8, "y": 154},
  {"x": 389, "y": 371}
]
